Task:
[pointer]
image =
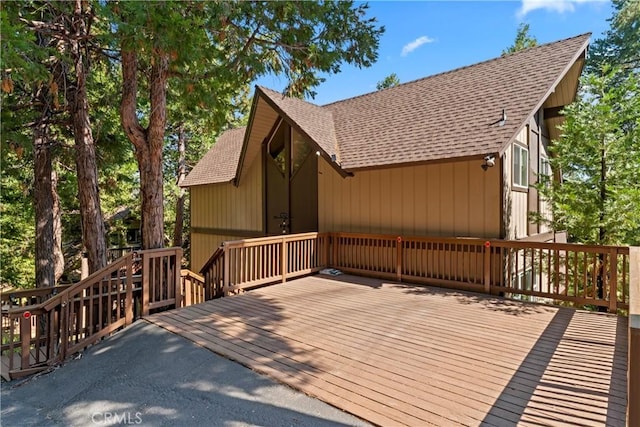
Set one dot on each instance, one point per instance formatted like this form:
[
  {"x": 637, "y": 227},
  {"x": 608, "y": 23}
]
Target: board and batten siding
[
  {"x": 216, "y": 207},
  {"x": 516, "y": 203},
  {"x": 545, "y": 205},
  {"x": 439, "y": 199}
]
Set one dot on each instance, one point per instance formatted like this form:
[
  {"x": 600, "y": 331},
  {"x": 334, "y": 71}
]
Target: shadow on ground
[{"x": 148, "y": 376}]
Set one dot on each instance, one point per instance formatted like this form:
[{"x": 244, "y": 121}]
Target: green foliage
[
  {"x": 17, "y": 232},
  {"x": 598, "y": 154},
  {"x": 621, "y": 44},
  {"x": 523, "y": 40},
  {"x": 391, "y": 80}
]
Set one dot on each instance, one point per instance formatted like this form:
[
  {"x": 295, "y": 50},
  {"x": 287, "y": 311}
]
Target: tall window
[
  {"x": 520, "y": 166},
  {"x": 545, "y": 171},
  {"x": 300, "y": 149}
]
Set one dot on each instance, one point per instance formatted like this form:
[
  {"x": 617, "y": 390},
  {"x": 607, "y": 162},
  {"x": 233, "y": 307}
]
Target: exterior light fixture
[{"x": 489, "y": 162}]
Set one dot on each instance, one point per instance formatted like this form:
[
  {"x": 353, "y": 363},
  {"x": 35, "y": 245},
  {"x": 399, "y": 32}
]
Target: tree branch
[{"x": 128, "y": 113}]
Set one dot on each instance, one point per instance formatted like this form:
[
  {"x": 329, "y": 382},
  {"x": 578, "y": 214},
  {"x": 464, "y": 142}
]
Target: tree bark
[
  {"x": 45, "y": 275},
  {"x": 148, "y": 142},
  {"x": 58, "y": 256},
  {"x": 182, "y": 169},
  {"x": 93, "y": 230}
]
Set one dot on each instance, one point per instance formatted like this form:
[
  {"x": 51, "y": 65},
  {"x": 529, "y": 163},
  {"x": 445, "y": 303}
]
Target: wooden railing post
[
  {"x": 633, "y": 379},
  {"x": 613, "y": 280},
  {"x": 64, "y": 326},
  {"x": 178, "y": 278},
  {"x": 487, "y": 267},
  {"x": 283, "y": 260},
  {"x": 145, "y": 284},
  {"x": 399, "y": 259},
  {"x": 129, "y": 298},
  {"x": 25, "y": 341},
  {"x": 226, "y": 284},
  {"x": 327, "y": 241}
]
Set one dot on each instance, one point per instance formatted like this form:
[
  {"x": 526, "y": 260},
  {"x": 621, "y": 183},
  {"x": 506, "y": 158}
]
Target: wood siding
[
  {"x": 516, "y": 201},
  {"x": 225, "y": 207},
  {"x": 544, "y": 205},
  {"x": 444, "y": 199}
]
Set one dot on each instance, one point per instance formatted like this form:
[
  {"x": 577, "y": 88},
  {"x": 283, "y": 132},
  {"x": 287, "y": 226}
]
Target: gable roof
[
  {"x": 314, "y": 121},
  {"x": 446, "y": 116},
  {"x": 220, "y": 163}
]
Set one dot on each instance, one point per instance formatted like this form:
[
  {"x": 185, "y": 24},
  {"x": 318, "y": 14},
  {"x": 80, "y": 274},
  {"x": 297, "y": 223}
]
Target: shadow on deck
[{"x": 396, "y": 354}]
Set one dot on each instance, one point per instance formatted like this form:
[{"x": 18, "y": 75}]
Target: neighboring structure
[
  {"x": 124, "y": 230},
  {"x": 454, "y": 154}
]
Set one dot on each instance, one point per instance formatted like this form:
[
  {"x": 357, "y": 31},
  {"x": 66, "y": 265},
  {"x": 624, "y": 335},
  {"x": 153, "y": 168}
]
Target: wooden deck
[{"x": 394, "y": 354}]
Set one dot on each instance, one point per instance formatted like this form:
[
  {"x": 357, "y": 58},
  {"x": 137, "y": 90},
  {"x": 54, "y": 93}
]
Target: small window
[
  {"x": 520, "y": 166},
  {"x": 544, "y": 176}
]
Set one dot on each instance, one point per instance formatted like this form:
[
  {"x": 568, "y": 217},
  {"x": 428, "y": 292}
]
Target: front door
[{"x": 291, "y": 183}]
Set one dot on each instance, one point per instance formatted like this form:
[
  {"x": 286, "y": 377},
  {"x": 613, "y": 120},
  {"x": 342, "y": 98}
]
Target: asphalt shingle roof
[
  {"x": 220, "y": 162},
  {"x": 449, "y": 115}
]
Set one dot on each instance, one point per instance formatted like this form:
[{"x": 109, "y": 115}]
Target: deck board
[{"x": 396, "y": 354}]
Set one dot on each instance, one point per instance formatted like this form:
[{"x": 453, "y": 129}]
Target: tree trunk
[
  {"x": 45, "y": 275},
  {"x": 93, "y": 230},
  {"x": 58, "y": 256},
  {"x": 147, "y": 142},
  {"x": 182, "y": 167}
]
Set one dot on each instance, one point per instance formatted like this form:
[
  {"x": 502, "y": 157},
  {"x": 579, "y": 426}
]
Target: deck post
[
  {"x": 326, "y": 239},
  {"x": 487, "y": 267},
  {"x": 283, "y": 260},
  {"x": 145, "y": 284},
  {"x": 613, "y": 280},
  {"x": 128, "y": 306},
  {"x": 226, "y": 282},
  {"x": 178, "y": 279},
  {"x": 399, "y": 259},
  {"x": 25, "y": 341},
  {"x": 633, "y": 378}
]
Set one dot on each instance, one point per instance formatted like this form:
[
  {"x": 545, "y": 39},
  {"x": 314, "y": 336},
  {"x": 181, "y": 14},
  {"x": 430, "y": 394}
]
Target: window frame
[
  {"x": 516, "y": 177},
  {"x": 545, "y": 174}
]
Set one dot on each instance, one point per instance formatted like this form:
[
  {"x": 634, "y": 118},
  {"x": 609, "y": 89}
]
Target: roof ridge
[
  {"x": 486, "y": 61},
  {"x": 263, "y": 88}
]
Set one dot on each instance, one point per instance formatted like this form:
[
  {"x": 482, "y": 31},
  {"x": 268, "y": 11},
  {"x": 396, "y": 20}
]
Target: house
[{"x": 454, "y": 154}]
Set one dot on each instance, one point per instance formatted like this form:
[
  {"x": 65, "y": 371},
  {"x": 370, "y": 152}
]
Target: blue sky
[{"x": 427, "y": 37}]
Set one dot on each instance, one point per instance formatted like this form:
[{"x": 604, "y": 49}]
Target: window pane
[
  {"x": 525, "y": 167},
  {"x": 276, "y": 148},
  {"x": 300, "y": 149},
  {"x": 516, "y": 164}
]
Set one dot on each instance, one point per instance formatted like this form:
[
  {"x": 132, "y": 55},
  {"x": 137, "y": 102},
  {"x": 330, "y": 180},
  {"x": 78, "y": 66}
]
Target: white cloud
[
  {"x": 411, "y": 46},
  {"x": 560, "y": 6}
]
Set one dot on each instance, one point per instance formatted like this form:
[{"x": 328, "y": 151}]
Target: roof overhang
[
  {"x": 263, "y": 119},
  {"x": 567, "y": 81}
]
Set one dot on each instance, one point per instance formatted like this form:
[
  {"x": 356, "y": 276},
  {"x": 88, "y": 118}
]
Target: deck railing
[
  {"x": 213, "y": 273},
  {"x": 35, "y": 336},
  {"x": 581, "y": 275},
  {"x": 243, "y": 264}
]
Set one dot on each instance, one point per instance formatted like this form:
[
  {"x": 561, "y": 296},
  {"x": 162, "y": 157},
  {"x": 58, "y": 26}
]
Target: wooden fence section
[
  {"x": 248, "y": 263},
  {"x": 65, "y": 320},
  {"x": 582, "y": 275},
  {"x": 193, "y": 289},
  {"x": 585, "y": 275}
]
